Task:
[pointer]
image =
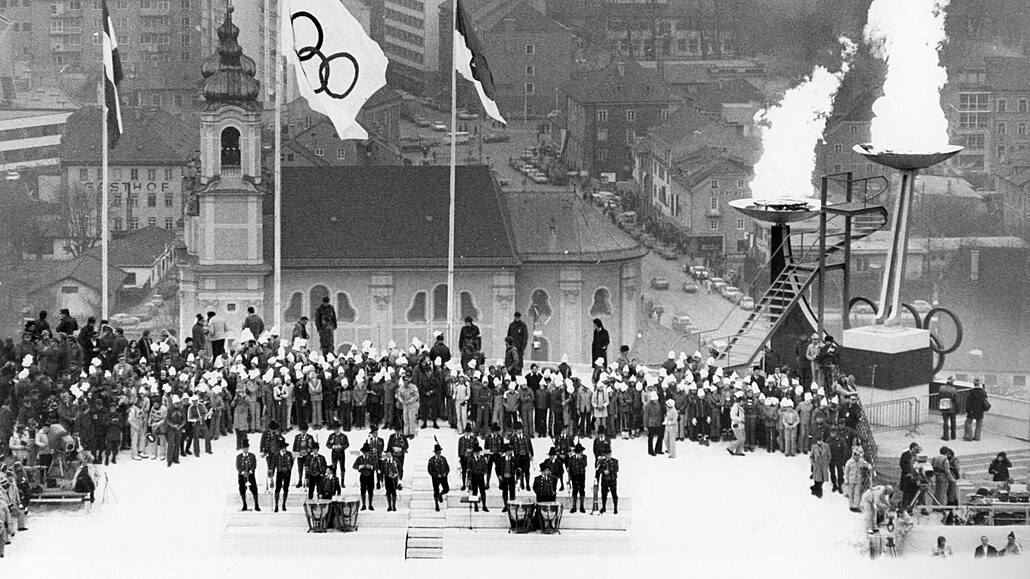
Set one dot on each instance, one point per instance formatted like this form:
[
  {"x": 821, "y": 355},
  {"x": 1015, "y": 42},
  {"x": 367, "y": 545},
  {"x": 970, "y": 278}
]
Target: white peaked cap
[{"x": 672, "y": 354}]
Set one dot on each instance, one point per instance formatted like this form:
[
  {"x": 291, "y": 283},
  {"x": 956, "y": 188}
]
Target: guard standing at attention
[
  {"x": 438, "y": 470},
  {"x": 608, "y": 473},
  {"x": 477, "y": 466},
  {"x": 246, "y": 464},
  {"x": 577, "y": 466},
  {"x": 302, "y": 448},
  {"x": 366, "y": 467},
  {"x": 282, "y": 463}
]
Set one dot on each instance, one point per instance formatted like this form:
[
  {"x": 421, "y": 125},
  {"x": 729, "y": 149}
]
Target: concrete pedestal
[{"x": 902, "y": 356}]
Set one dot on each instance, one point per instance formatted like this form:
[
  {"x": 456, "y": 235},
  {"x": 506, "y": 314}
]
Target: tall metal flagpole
[
  {"x": 277, "y": 282},
  {"x": 454, "y": 154},
  {"x": 104, "y": 282}
]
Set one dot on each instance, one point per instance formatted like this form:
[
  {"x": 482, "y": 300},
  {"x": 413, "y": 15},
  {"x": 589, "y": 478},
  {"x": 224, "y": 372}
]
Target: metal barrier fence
[
  {"x": 1007, "y": 416},
  {"x": 893, "y": 414}
]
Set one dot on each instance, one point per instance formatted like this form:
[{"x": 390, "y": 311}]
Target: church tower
[{"x": 226, "y": 270}]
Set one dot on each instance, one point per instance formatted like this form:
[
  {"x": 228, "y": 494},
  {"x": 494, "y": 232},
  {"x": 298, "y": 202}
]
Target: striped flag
[
  {"x": 471, "y": 63},
  {"x": 112, "y": 76}
]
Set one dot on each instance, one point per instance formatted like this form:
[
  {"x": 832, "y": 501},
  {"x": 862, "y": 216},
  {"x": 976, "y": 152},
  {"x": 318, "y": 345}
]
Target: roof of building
[
  {"x": 507, "y": 16},
  {"x": 15, "y": 114},
  {"x": 85, "y": 269},
  {"x": 698, "y": 169},
  {"x": 879, "y": 241},
  {"x": 553, "y": 227},
  {"x": 394, "y": 215},
  {"x": 140, "y": 248},
  {"x": 711, "y": 96},
  {"x": 151, "y": 136},
  {"x": 682, "y": 124},
  {"x": 40, "y": 98},
  {"x": 229, "y": 74},
  {"x": 1008, "y": 73},
  {"x": 622, "y": 81}
]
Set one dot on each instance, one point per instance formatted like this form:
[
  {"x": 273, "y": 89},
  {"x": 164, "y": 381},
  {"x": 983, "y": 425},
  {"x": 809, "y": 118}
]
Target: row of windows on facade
[
  {"x": 118, "y": 174},
  {"x": 420, "y": 309},
  {"x": 981, "y": 101},
  {"x": 631, "y": 115},
  {"x": 683, "y": 46},
  {"x": 116, "y": 200},
  {"x": 118, "y": 223}
]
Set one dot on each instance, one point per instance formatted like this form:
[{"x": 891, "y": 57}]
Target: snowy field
[{"x": 704, "y": 510}]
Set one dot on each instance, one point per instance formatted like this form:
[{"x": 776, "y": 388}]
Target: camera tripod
[
  {"x": 107, "y": 489},
  {"x": 920, "y": 498}
]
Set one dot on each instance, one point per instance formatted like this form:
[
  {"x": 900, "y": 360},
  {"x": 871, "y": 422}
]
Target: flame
[
  {"x": 791, "y": 129},
  {"x": 907, "y": 35}
]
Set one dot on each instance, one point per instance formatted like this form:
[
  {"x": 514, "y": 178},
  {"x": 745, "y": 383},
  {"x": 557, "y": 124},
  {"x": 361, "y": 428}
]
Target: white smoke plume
[
  {"x": 791, "y": 129},
  {"x": 908, "y": 35}
]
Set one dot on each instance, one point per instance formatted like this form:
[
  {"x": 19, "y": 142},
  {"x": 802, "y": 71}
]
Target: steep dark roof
[
  {"x": 1008, "y": 73},
  {"x": 682, "y": 124},
  {"x": 552, "y": 227},
  {"x": 636, "y": 85},
  {"x": 85, "y": 268},
  {"x": 694, "y": 173},
  {"x": 392, "y": 216},
  {"x": 151, "y": 136},
  {"x": 140, "y": 248},
  {"x": 711, "y": 96}
]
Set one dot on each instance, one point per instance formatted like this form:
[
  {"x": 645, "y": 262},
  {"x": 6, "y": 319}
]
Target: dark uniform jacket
[
  {"x": 602, "y": 446},
  {"x": 505, "y": 466},
  {"x": 271, "y": 442},
  {"x": 608, "y": 469},
  {"x": 543, "y": 486},
  {"x": 283, "y": 461},
  {"x": 577, "y": 465},
  {"x": 329, "y": 486},
  {"x": 466, "y": 444},
  {"x": 438, "y": 467},
  {"x": 562, "y": 445},
  {"x": 316, "y": 466},
  {"x": 493, "y": 442},
  {"x": 302, "y": 444},
  {"x": 390, "y": 467},
  {"x": 246, "y": 463},
  {"x": 477, "y": 465},
  {"x": 365, "y": 465},
  {"x": 398, "y": 441},
  {"x": 521, "y": 444},
  {"x": 338, "y": 443}
]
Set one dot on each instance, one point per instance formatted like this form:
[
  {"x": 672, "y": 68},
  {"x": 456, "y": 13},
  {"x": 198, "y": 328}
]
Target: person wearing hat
[
  {"x": 506, "y": 468},
  {"x": 512, "y": 358},
  {"x": 329, "y": 485},
  {"x": 338, "y": 443},
  {"x": 523, "y": 449},
  {"x": 197, "y": 416},
  {"x": 325, "y": 323},
  {"x": 316, "y": 468},
  {"x": 477, "y": 467},
  {"x": 607, "y": 471},
  {"x": 790, "y": 420},
  {"x": 175, "y": 421},
  {"x": 669, "y": 425},
  {"x": 376, "y": 446},
  {"x": 946, "y": 404},
  {"x": 282, "y": 467},
  {"x": 544, "y": 484},
  {"x": 469, "y": 341},
  {"x": 466, "y": 442},
  {"x": 494, "y": 445},
  {"x": 976, "y": 405},
  {"x": 391, "y": 477},
  {"x": 599, "y": 343},
  {"x": 246, "y": 464},
  {"x": 602, "y": 443},
  {"x": 857, "y": 476},
  {"x": 812, "y": 349},
  {"x": 557, "y": 465},
  {"x": 366, "y": 466},
  {"x": 302, "y": 444},
  {"x": 397, "y": 447},
  {"x": 876, "y": 503},
  {"x": 438, "y": 470},
  {"x": 820, "y": 460},
  {"x": 268, "y": 446},
  {"x": 577, "y": 466},
  {"x": 519, "y": 334},
  {"x": 738, "y": 419},
  {"x": 408, "y": 398},
  {"x": 1012, "y": 547}
]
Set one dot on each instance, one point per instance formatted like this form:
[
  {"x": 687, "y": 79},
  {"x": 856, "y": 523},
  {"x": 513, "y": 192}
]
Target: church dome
[{"x": 229, "y": 74}]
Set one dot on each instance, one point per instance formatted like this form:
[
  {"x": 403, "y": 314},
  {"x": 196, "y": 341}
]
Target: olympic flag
[
  {"x": 471, "y": 63},
  {"x": 338, "y": 66}
]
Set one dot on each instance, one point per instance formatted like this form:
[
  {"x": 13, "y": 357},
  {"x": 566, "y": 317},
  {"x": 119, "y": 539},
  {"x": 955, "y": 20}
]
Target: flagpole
[
  {"x": 454, "y": 154},
  {"x": 104, "y": 282},
  {"x": 277, "y": 282}
]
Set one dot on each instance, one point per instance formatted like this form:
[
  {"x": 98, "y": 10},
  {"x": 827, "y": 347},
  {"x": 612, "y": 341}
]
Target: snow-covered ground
[{"x": 704, "y": 510}]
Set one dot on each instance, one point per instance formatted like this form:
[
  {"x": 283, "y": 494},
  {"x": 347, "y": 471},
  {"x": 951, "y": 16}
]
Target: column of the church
[
  {"x": 570, "y": 282},
  {"x": 630, "y": 305},
  {"x": 502, "y": 314},
  {"x": 381, "y": 290}
]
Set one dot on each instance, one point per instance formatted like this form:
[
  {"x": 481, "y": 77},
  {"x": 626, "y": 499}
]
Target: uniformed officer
[
  {"x": 477, "y": 466},
  {"x": 602, "y": 444},
  {"x": 494, "y": 444},
  {"x": 301, "y": 449},
  {"x": 283, "y": 465},
  {"x": 466, "y": 442},
  {"x": 397, "y": 447},
  {"x": 577, "y": 476},
  {"x": 271, "y": 441},
  {"x": 376, "y": 446},
  {"x": 543, "y": 484},
  {"x": 438, "y": 470},
  {"x": 557, "y": 467},
  {"x": 523, "y": 448},
  {"x": 506, "y": 467},
  {"x": 608, "y": 473},
  {"x": 366, "y": 467},
  {"x": 338, "y": 444},
  {"x": 246, "y": 464},
  {"x": 329, "y": 485},
  {"x": 391, "y": 477},
  {"x": 317, "y": 468}
]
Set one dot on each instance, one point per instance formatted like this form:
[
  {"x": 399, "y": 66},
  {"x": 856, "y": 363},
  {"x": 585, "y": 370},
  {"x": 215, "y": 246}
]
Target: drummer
[
  {"x": 554, "y": 463},
  {"x": 338, "y": 443},
  {"x": 477, "y": 466},
  {"x": 329, "y": 485},
  {"x": 543, "y": 484}
]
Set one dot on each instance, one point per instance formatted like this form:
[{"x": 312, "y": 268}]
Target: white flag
[{"x": 338, "y": 66}]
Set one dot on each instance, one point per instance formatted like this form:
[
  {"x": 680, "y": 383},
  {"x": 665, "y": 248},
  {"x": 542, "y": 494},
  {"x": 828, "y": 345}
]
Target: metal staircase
[{"x": 787, "y": 290}]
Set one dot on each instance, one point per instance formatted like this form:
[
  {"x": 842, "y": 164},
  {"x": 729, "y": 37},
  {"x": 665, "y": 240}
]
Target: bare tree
[{"x": 80, "y": 217}]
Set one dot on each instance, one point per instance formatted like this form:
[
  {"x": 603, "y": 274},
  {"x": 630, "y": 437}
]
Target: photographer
[{"x": 910, "y": 478}]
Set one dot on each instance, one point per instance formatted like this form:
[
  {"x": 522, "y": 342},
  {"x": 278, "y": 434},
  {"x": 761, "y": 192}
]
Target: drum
[
  {"x": 520, "y": 515},
  {"x": 317, "y": 513},
  {"x": 345, "y": 515},
  {"x": 550, "y": 517}
]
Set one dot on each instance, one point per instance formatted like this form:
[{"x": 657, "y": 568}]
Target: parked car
[
  {"x": 922, "y": 306},
  {"x": 690, "y": 286},
  {"x": 659, "y": 283},
  {"x": 698, "y": 272},
  {"x": 731, "y": 293},
  {"x": 667, "y": 252},
  {"x": 439, "y": 127},
  {"x": 680, "y": 322},
  {"x": 496, "y": 138},
  {"x": 539, "y": 178},
  {"x": 717, "y": 284},
  {"x": 422, "y": 122},
  {"x": 747, "y": 303}
]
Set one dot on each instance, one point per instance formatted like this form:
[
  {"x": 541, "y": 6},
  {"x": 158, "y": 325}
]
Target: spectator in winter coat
[
  {"x": 857, "y": 474},
  {"x": 653, "y": 424},
  {"x": 669, "y": 424},
  {"x": 976, "y": 405},
  {"x": 820, "y": 459},
  {"x": 941, "y": 475},
  {"x": 1000, "y": 468},
  {"x": 790, "y": 420},
  {"x": 805, "y": 409},
  {"x": 770, "y": 415},
  {"x": 839, "y": 449}
]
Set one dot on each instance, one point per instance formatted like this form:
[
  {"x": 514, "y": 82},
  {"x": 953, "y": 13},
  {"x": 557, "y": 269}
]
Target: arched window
[
  {"x": 345, "y": 314},
  {"x": 602, "y": 305},
  {"x": 230, "y": 147},
  {"x": 468, "y": 307},
  {"x": 417, "y": 311},
  {"x": 317, "y": 293},
  {"x": 540, "y": 308},
  {"x": 440, "y": 303},
  {"x": 293, "y": 311}
]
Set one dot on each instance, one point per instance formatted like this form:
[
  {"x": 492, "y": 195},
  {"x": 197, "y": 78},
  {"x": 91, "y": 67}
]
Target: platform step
[
  {"x": 422, "y": 553},
  {"x": 498, "y": 520},
  {"x": 427, "y": 523},
  {"x": 424, "y": 533},
  {"x": 426, "y": 542}
]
